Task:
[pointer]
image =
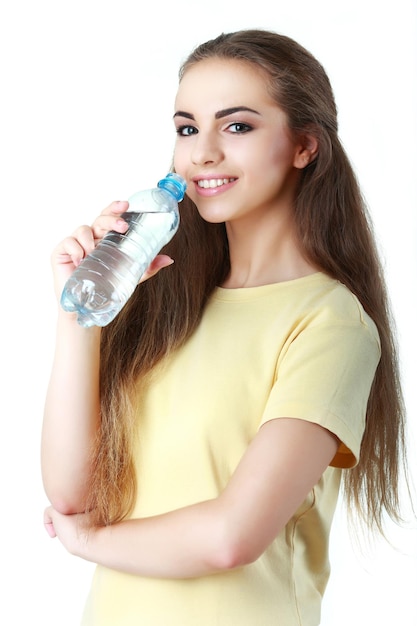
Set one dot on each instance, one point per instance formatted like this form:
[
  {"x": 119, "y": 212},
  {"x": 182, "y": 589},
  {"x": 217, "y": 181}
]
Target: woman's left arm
[{"x": 281, "y": 465}]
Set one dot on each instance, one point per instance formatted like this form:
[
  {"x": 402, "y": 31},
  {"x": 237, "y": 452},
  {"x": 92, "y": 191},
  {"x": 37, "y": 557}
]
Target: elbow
[
  {"x": 233, "y": 552},
  {"x": 64, "y": 503},
  {"x": 66, "y": 506},
  {"x": 234, "y": 542},
  {"x": 65, "y": 494}
]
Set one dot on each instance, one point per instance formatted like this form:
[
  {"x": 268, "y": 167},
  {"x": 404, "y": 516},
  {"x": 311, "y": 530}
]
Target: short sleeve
[{"x": 324, "y": 376}]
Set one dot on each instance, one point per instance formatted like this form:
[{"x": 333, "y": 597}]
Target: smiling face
[{"x": 233, "y": 145}]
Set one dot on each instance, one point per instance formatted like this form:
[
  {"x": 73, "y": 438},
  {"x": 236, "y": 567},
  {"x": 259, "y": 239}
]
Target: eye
[
  {"x": 239, "y": 127},
  {"x": 185, "y": 130}
]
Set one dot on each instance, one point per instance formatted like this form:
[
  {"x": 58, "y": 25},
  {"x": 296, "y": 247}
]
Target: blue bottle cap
[{"x": 175, "y": 184}]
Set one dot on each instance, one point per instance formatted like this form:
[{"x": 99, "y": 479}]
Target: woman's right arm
[
  {"x": 72, "y": 406},
  {"x": 71, "y": 417}
]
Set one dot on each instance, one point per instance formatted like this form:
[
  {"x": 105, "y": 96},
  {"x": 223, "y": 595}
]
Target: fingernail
[{"x": 50, "y": 529}]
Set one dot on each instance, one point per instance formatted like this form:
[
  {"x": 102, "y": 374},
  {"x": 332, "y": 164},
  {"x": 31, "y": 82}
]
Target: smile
[{"x": 214, "y": 182}]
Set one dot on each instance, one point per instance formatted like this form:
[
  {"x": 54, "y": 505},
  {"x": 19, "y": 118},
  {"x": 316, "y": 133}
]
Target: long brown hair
[{"x": 336, "y": 234}]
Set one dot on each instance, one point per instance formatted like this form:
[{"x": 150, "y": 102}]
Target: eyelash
[
  {"x": 180, "y": 130},
  {"x": 244, "y": 128}
]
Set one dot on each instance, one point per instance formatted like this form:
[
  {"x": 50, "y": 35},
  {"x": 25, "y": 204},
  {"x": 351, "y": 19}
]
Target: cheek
[
  {"x": 281, "y": 154},
  {"x": 180, "y": 158}
]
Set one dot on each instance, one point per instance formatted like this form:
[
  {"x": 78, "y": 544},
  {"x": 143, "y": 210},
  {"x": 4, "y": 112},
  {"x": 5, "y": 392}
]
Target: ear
[{"x": 306, "y": 150}]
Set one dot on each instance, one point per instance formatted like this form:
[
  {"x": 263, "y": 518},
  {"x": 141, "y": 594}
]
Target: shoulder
[{"x": 329, "y": 303}]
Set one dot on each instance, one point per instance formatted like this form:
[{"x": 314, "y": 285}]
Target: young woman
[{"x": 194, "y": 447}]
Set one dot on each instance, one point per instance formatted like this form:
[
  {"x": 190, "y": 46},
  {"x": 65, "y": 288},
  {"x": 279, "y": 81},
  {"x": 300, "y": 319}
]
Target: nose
[{"x": 206, "y": 149}]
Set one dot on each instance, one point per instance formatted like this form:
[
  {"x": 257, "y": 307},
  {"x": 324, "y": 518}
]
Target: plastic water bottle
[{"x": 104, "y": 281}]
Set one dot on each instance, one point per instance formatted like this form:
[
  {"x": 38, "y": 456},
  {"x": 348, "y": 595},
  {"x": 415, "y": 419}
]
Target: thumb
[{"x": 159, "y": 262}]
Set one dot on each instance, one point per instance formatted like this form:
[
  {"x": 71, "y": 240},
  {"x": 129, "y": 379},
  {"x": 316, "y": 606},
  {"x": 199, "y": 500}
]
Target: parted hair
[{"x": 336, "y": 235}]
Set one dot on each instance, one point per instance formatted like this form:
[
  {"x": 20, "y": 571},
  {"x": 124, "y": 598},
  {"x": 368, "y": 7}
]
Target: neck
[{"x": 266, "y": 253}]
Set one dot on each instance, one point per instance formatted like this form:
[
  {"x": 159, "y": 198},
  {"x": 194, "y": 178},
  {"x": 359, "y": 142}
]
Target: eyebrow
[{"x": 219, "y": 114}]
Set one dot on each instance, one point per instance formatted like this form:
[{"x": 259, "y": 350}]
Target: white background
[{"x": 86, "y": 101}]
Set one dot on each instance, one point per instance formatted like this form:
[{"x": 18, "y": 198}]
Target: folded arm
[{"x": 282, "y": 464}]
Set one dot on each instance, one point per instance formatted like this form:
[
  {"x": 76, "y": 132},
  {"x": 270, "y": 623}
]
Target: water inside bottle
[{"x": 104, "y": 281}]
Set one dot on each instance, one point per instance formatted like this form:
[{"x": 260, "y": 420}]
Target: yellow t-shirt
[{"x": 304, "y": 349}]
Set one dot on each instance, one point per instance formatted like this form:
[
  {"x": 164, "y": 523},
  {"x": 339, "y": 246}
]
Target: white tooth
[{"x": 214, "y": 182}]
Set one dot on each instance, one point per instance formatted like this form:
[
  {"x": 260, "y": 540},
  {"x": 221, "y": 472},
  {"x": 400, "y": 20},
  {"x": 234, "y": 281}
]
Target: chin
[{"x": 211, "y": 215}]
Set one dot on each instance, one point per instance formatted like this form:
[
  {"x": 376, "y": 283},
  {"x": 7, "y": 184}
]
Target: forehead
[{"x": 221, "y": 83}]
